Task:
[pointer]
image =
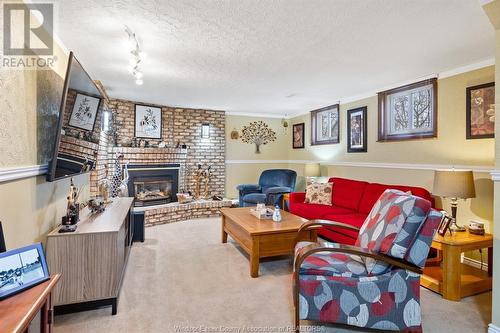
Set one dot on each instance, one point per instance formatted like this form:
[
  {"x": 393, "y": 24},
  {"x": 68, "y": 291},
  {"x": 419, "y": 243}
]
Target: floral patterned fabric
[
  {"x": 334, "y": 288},
  {"x": 318, "y": 193}
]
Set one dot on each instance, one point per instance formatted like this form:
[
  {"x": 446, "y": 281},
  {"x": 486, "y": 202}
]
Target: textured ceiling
[{"x": 272, "y": 57}]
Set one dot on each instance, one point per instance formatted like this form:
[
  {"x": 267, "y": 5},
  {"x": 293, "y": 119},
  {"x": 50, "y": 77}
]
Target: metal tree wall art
[{"x": 258, "y": 133}]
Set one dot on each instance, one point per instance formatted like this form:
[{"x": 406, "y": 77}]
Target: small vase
[{"x": 257, "y": 149}]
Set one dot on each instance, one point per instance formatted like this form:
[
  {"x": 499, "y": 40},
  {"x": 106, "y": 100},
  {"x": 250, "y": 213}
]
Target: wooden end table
[
  {"x": 451, "y": 278},
  {"x": 262, "y": 238},
  {"x": 18, "y": 311}
]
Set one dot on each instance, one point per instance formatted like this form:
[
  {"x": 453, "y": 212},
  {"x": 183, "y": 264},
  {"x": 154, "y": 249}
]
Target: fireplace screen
[{"x": 152, "y": 192}]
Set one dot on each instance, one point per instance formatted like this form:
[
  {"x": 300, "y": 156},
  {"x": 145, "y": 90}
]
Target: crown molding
[
  {"x": 256, "y": 114},
  {"x": 442, "y": 75},
  {"x": 9, "y": 174}
]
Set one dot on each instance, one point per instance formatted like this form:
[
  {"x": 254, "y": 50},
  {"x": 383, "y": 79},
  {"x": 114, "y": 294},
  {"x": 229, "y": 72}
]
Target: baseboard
[
  {"x": 475, "y": 263},
  {"x": 493, "y": 329}
]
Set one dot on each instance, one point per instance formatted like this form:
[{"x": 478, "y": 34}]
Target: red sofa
[{"x": 352, "y": 201}]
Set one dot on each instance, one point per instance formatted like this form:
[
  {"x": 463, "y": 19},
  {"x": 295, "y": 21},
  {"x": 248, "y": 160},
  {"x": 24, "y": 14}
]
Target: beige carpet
[{"x": 182, "y": 279}]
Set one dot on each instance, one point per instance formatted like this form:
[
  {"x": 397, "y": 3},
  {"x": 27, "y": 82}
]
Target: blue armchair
[{"x": 272, "y": 185}]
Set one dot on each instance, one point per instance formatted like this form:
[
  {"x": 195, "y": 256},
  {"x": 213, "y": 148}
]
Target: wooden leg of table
[
  {"x": 224, "y": 233},
  {"x": 490, "y": 261},
  {"x": 451, "y": 273},
  {"x": 254, "y": 258}
]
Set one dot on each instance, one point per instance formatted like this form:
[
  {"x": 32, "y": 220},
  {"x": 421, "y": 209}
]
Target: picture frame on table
[
  {"x": 480, "y": 111},
  {"x": 357, "y": 129},
  {"x": 444, "y": 225},
  {"x": 21, "y": 269},
  {"x": 298, "y": 137},
  {"x": 325, "y": 126}
]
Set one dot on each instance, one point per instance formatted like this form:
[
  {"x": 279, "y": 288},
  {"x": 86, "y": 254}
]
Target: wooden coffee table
[{"x": 262, "y": 238}]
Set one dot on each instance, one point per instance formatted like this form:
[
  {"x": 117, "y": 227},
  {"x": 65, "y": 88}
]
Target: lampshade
[
  {"x": 312, "y": 170},
  {"x": 454, "y": 184}
]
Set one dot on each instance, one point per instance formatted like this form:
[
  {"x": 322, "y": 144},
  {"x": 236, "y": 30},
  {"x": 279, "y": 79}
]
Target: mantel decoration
[
  {"x": 325, "y": 125},
  {"x": 408, "y": 112},
  {"x": 147, "y": 122},
  {"x": 234, "y": 134},
  {"x": 480, "y": 110},
  {"x": 357, "y": 130},
  {"x": 258, "y": 133}
]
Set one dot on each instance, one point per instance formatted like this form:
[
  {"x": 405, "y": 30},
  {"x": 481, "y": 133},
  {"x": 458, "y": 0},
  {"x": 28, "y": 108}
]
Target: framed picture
[
  {"x": 480, "y": 111},
  {"x": 147, "y": 122},
  {"x": 357, "y": 130},
  {"x": 444, "y": 225},
  {"x": 298, "y": 136},
  {"x": 408, "y": 112},
  {"x": 21, "y": 269},
  {"x": 325, "y": 125},
  {"x": 84, "y": 112}
]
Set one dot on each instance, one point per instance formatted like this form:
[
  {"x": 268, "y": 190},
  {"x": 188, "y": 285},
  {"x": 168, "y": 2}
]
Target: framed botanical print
[
  {"x": 325, "y": 125},
  {"x": 480, "y": 111},
  {"x": 298, "y": 136},
  {"x": 357, "y": 130},
  {"x": 408, "y": 112},
  {"x": 147, "y": 122},
  {"x": 84, "y": 112}
]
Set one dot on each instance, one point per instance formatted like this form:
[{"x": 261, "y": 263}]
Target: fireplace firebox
[{"x": 153, "y": 184}]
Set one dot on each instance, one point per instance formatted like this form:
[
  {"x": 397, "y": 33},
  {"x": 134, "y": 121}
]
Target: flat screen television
[{"x": 79, "y": 124}]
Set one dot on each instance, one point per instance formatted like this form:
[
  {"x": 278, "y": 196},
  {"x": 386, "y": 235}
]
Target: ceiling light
[
  {"x": 139, "y": 82},
  {"x": 138, "y": 75},
  {"x": 130, "y": 69}
]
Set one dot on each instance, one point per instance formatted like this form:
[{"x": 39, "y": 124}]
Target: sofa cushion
[
  {"x": 373, "y": 191},
  {"x": 316, "y": 211},
  {"x": 354, "y": 219},
  {"x": 347, "y": 193},
  {"x": 392, "y": 222},
  {"x": 319, "y": 193}
]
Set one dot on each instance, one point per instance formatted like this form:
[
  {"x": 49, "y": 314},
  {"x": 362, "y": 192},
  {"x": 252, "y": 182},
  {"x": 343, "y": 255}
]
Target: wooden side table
[
  {"x": 451, "y": 278},
  {"x": 18, "y": 311}
]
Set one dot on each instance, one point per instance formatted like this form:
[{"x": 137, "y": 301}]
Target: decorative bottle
[{"x": 277, "y": 214}]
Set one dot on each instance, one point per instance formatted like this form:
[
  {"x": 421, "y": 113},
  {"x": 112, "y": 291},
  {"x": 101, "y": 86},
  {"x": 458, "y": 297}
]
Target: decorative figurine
[
  {"x": 72, "y": 216},
  {"x": 104, "y": 186}
]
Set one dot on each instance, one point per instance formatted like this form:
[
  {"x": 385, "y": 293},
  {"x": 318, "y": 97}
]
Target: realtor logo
[{"x": 27, "y": 29}]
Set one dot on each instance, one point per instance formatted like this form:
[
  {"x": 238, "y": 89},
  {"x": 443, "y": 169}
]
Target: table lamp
[
  {"x": 312, "y": 170},
  {"x": 454, "y": 184}
]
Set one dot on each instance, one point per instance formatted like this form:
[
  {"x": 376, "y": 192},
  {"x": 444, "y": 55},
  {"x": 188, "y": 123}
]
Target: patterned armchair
[{"x": 376, "y": 283}]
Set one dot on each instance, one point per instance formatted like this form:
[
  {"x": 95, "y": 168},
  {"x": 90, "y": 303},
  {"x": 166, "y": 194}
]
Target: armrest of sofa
[
  {"x": 297, "y": 197},
  {"x": 278, "y": 190}
]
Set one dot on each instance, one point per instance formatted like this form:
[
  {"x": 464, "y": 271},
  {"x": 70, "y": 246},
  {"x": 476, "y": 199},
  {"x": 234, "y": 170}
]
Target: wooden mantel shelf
[{"x": 17, "y": 312}]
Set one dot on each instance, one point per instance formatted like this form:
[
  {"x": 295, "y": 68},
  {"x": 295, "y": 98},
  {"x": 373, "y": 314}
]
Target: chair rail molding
[
  {"x": 495, "y": 176},
  {"x": 14, "y": 173},
  {"x": 410, "y": 166},
  {"x": 493, "y": 329}
]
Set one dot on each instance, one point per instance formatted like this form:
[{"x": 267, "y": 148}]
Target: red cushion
[
  {"x": 373, "y": 191},
  {"x": 315, "y": 211},
  {"x": 339, "y": 235},
  {"x": 347, "y": 193}
]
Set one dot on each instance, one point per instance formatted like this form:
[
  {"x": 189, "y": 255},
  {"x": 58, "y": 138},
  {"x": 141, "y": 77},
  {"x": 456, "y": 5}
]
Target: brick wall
[{"x": 179, "y": 126}]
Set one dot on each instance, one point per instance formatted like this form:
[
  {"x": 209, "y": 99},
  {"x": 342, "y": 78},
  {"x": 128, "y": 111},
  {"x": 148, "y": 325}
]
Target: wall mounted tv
[{"x": 79, "y": 124}]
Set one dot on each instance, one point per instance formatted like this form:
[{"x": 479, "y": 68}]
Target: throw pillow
[{"x": 319, "y": 193}]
